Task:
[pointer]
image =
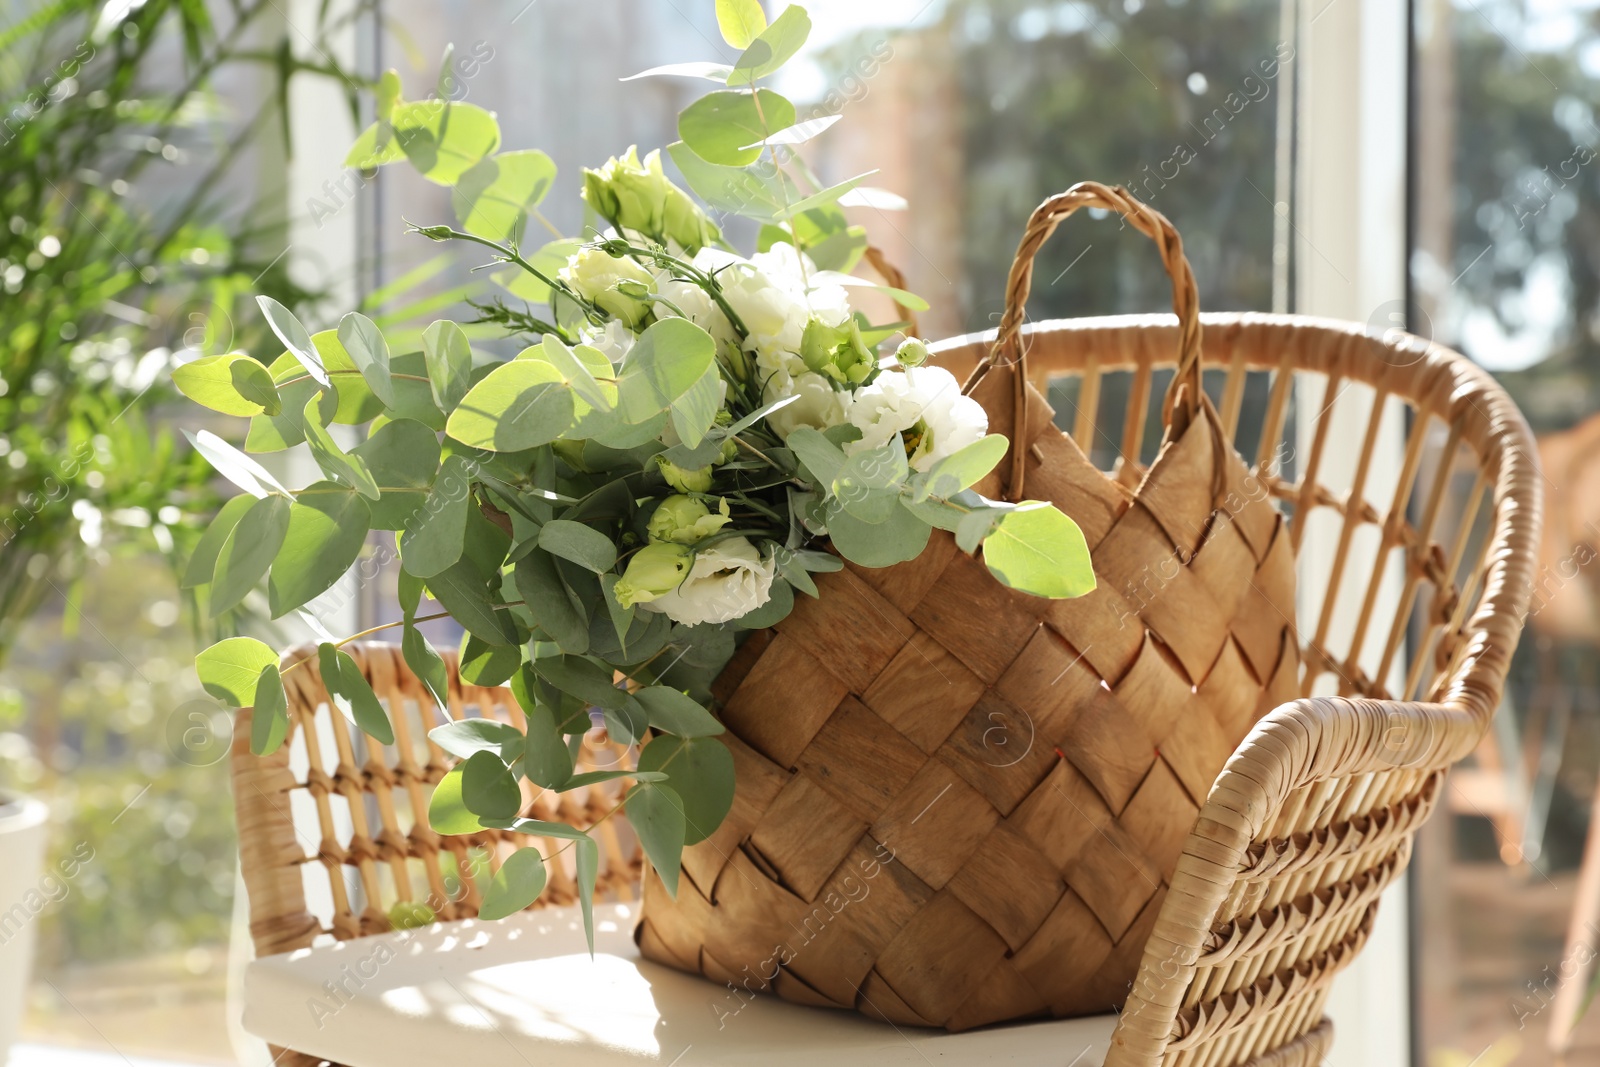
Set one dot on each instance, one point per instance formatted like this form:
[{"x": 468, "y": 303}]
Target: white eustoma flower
[
  {"x": 595, "y": 276},
  {"x": 614, "y": 340},
  {"x": 729, "y": 580},
  {"x": 768, "y": 293},
  {"x": 923, "y": 403},
  {"x": 696, "y": 305},
  {"x": 819, "y": 405}
]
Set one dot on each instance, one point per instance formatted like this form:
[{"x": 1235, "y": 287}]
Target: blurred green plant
[
  {"x": 135, "y": 230},
  {"x": 123, "y": 249}
]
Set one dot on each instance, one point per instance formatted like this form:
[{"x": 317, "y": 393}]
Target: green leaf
[
  {"x": 426, "y": 664},
  {"x": 413, "y": 399},
  {"x": 269, "y": 719},
  {"x": 741, "y": 21},
  {"x": 601, "y": 777},
  {"x": 1037, "y": 549},
  {"x": 621, "y": 617},
  {"x": 719, "y": 126},
  {"x": 900, "y": 537},
  {"x": 443, "y": 140},
  {"x": 234, "y": 465},
  {"x": 519, "y": 405},
  {"x": 962, "y": 468},
  {"x": 584, "y": 679},
  {"x": 822, "y": 458},
  {"x": 487, "y": 665},
  {"x": 665, "y": 362},
  {"x": 701, "y": 772},
  {"x": 248, "y": 552},
  {"x": 676, "y": 713},
  {"x": 975, "y": 525},
  {"x": 587, "y": 860},
  {"x": 695, "y": 411},
  {"x": 352, "y": 694},
  {"x": 462, "y": 591},
  {"x": 435, "y": 534},
  {"x": 231, "y": 670},
  {"x": 515, "y": 886},
  {"x": 335, "y": 463},
  {"x": 364, "y": 343},
  {"x": 776, "y": 45},
  {"x": 740, "y": 190},
  {"x": 717, "y": 72},
  {"x": 801, "y": 132},
  {"x": 447, "y": 811},
  {"x": 868, "y": 484},
  {"x": 465, "y": 738},
  {"x": 494, "y": 198},
  {"x": 777, "y": 608},
  {"x": 545, "y": 757},
  {"x": 388, "y": 94},
  {"x": 328, "y": 525},
  {"x": 554, "y": 607},
  {"x": 656, "y": 815},
  {"x": 234, "y": 384},
  {"x": 203, "y": 561},
  {"x": 830, "y": 194},
  {"x": 403, "y": 458},
  {"x": 296, "y": 338},
  {"x": 274, "y": 433},
  {"x": 357, "y": 402},
  {"x": 449, "y": 361},
  {"x": 583, "y": 545},
  {"x": 579, "y": 370},
  {"x": 488, "y": 788},
  {"x": 375, "y": 147}
]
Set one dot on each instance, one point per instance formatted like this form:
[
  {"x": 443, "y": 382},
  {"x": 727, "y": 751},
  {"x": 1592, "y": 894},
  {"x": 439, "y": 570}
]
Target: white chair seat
[{"x": 526, "y": 990}]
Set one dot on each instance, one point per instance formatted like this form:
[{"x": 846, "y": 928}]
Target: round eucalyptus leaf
[
  {"x": 515, "y": 886},
  {"x": 727, "y": 127},
  {"x": 328, "y": 524},
  {"x": 249, "y": 551},
  {"x": 700, "y": 771}
]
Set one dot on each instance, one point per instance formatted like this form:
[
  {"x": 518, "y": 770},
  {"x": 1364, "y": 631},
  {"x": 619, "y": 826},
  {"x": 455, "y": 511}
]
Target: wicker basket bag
[{"x": 958, "y": 804}]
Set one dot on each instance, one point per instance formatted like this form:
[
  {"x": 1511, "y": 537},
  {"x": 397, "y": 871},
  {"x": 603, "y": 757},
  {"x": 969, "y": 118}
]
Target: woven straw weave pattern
[{"x": 1031, "y": 766}]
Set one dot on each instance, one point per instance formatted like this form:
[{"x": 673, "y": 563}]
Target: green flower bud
[
  {"x": 639, "y": 197},
  {"x": 652, "y": 571},
  {"x": 911, "y": 353},
  {"x": 610, "y": 283},
  {"x": 695, "y": 481},
  {"x": 685, "y": 520},
  {"x": 837, "y": 352}
]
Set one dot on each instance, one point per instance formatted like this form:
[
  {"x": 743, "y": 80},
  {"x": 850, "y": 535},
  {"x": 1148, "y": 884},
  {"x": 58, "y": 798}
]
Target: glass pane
[{"x": 1503, "y": 269}]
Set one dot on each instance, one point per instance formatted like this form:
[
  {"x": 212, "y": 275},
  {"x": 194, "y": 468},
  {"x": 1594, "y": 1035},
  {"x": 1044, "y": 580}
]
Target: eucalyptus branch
[
  {"x": 617, "y": 246},
  {"x": 517, "y": 321},
  {"x": 509, "y": 255}
]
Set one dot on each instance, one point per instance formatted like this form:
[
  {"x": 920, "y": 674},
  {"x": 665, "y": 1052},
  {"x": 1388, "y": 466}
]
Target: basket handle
[{"x": 1009, "y": 350}]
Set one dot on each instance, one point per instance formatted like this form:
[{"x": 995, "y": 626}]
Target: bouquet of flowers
[{"x": 686, "y": 437}]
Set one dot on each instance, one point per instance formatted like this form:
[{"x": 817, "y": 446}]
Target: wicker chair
[{"x": 1314, "y": 815}]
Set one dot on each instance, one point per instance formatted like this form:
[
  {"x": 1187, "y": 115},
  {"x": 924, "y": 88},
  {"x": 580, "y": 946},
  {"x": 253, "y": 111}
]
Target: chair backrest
[
  {"x": 333, "y": 827},
  {"x": 1314, "y": 815}
]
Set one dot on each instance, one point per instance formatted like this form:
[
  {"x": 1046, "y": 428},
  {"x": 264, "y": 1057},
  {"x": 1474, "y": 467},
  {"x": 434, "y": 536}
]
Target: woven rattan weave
[{"x": 1276, "y": 883}]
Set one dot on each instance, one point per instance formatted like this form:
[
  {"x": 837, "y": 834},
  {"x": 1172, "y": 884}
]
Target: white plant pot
[{"x": 24, "y": 895}]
